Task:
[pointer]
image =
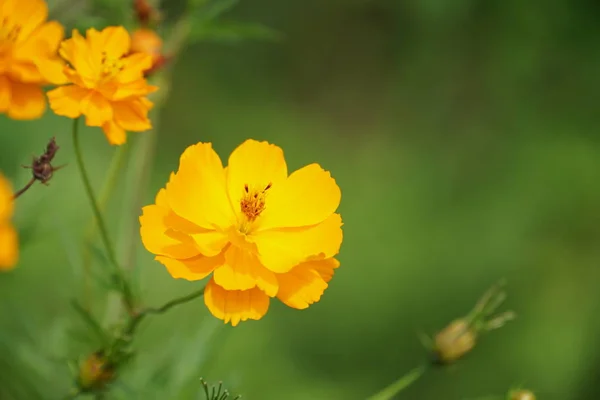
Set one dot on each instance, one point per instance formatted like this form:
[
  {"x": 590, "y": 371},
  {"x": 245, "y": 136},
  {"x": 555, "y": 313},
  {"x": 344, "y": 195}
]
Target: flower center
[
  {"x": 111, "y": 66},
  {"x": 8, "y": 31},
  {"x": 253, "y": 202}
]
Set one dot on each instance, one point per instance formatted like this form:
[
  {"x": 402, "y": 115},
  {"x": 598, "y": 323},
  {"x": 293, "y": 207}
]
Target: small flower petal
[
  {"x": 235, "y": 305},
  {"x": 114, "y": 133},
  {"x": 97, "y": 109},
  {"x": 242, "y": 271},
  {"x": 6, "y": 200},
  {"x": 197, "y": 192},
  {"x": 282, "y": 249},
  {"x": 191, "y": 269},
  {"x": 305, "y": 283},
  {"x": 160, "y": 239},
  {"x": 27, "y": 101},
  {"x": 132, "y": 115},
  {"x": 256, "y": 164},
  {"x": 9, "y": 248},
  {"x": 66, "y": 100},
  {"x": 114, "y": 41},
  {"x": 307, "y": 197}
]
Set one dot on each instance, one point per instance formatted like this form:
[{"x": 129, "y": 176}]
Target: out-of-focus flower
[
  {"x": 95, "y": 373},
  {"x": 454, "y": 341},
  {"x": 107, "y": 84},
  {"x": 460, "y": 336},
  {"x": 28, "y": 57},
  {"x": 145, "y": 13},
  {"x": 147, "y": 41},
  {"x": 521, "y": 394},
  {"x": 262, "y": 232},
  {"x": 9, "y": 248}
]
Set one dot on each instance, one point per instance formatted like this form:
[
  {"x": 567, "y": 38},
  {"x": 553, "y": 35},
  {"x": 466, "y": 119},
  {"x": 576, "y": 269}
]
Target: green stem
[
  {"x": 134, "y": 322},
  {"x": 114, "y": 171},
  {"x": 399, "y": 385},
  {"x": 122, "y": 282}
]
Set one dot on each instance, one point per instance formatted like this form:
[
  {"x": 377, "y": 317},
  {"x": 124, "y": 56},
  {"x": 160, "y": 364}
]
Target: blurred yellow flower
[
  {"x": 28, "y": 57},
  {"x": 107, "y": 84},
  {"x": 9, "y": 249},
  {"x": 263, "y": 233}
]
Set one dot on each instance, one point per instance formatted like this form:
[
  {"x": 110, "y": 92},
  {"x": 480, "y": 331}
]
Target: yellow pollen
[{"x": 253, "y": 202}]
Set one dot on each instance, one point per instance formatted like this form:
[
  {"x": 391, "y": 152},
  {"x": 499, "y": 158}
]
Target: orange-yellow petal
[
  {"x": 79, "y": 54},
  {"x": 191, "y": 269},
  {"x": 210, "y": 242},
  {"x": 134, "y": 67},
  {"x": 242, "y": 271},
  {"x": 255, "y": 164},
  {"x": 114, "y": 133},
  {"x": 66, "y": 100},
  {"x": 96, "y": 109},
  {"x": 29, "y": 15},
  {"x": 325, "y": 268},
  {"x": 197, "y": 192},
  {"x": 235, "y": 305},
  {"x": 113, "y": 40},
  {"x": 304, "y": 284},
  {"x": 307, "y": 197},
  {"x": 131, "y": 115},
  {"x": 9, "y": 248},
  {"x": 6, "y": 200},
  {"x": 27, "y": 101},
  {"x": 282, "y": 249},
  {"x": 161, "y": 239},
  {"x": 4, "y": 93}
]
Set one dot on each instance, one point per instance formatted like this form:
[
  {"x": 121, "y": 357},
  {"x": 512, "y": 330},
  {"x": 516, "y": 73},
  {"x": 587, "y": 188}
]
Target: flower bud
[
  {"x": 454, "y": 341},
  {"x": 144, "y": 12},
  {"x": 522, "y": 395},
  {"x": 95, "y": 373},
  {"x": 147, "y": 41}
]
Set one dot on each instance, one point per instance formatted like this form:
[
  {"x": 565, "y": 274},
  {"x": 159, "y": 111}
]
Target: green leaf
[
  {"x": 91, "y": 323},
  {"x": 210, "y": 10},
  {"x": 232, "y": 31}
]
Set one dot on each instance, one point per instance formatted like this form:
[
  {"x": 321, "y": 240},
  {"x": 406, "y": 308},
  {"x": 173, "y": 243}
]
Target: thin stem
[
  {"x": 133, "y": 324},
  {"x": 401, "y": 384},
  {"x": 114, "y": 171},
  {"x": 122, "y": 282},
  {"x": 20, "y": 192}
]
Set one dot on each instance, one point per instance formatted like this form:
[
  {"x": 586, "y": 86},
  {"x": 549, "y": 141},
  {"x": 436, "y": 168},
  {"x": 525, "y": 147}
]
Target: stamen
[{"x": 252, "y": 203}]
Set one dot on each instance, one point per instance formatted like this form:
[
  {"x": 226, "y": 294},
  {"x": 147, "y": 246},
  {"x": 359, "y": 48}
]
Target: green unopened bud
[
  {"x": 521, "y": 395},
  {"x": 95, "y": 373},
  {"x": 454, "y": 341}
]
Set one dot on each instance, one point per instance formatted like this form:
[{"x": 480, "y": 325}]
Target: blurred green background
[{"x": 465, "y": 136}]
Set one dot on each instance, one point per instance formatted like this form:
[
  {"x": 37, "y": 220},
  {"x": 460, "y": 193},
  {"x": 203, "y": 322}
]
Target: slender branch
[
  {"x": 122, "y": 282},
  {"x": 29, "y": 184},
  {"x": 114, "y": 170},
  {"x": 134, "y": 322},
  {"x": 401, "y": 384}
]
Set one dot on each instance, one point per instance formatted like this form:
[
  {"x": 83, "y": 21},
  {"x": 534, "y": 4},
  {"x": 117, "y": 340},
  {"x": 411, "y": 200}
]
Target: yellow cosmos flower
[
  {"x": 261, "y": 232},
  {"x": 28, "y": 57},
  {"x": 107, "y": 83},
  {"x": 9, "y": 248}
]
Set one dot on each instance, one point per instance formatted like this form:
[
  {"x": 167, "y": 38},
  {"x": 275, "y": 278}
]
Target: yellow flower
[
  {"x": 9, "y": 249},
  {"x": 28, "y": 58},
  {"x": 260, "y": 232},
  {"x": 107, "y": 84}
]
